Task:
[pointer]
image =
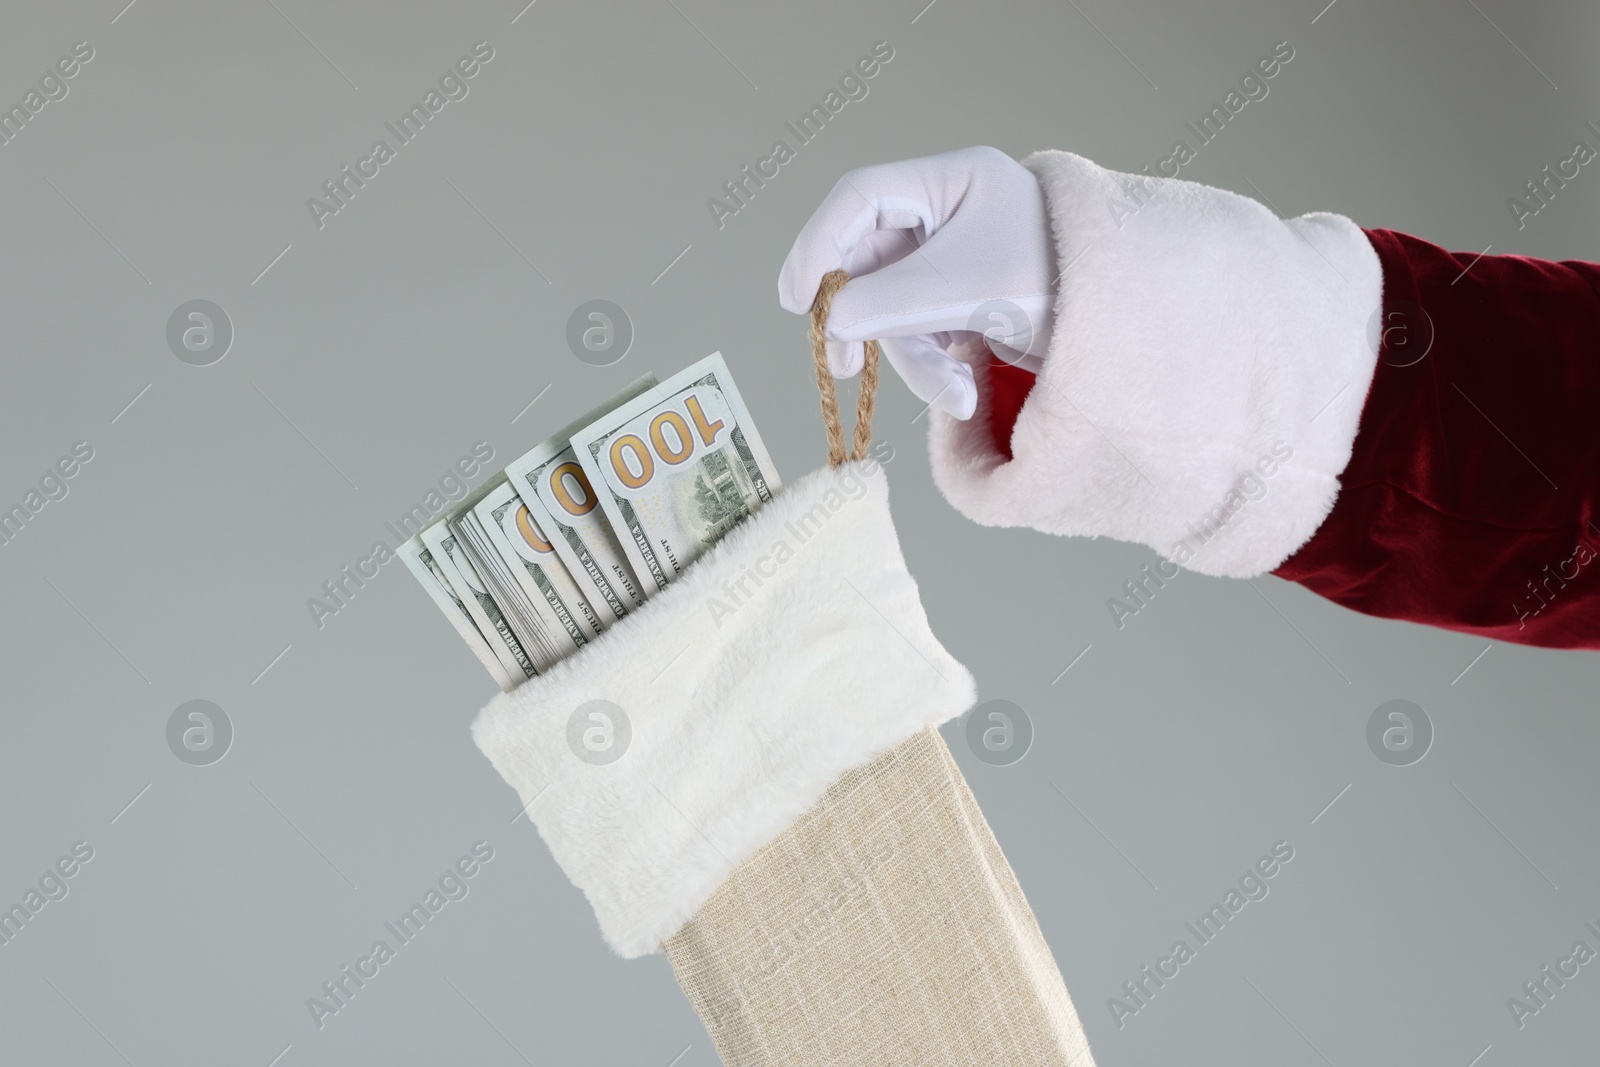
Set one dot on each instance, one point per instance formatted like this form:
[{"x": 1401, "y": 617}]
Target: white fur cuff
[
  {"x": 793, "y": 651},
  {"x": 1205, "y": 379}
]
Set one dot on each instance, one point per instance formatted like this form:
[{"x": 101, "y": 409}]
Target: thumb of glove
[{"x": 935, "y": 376}]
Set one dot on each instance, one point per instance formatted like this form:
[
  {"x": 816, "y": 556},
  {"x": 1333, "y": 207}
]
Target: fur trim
[
  {"x": 793, "y": 651},
  {"x": 1204, "y": 382}
]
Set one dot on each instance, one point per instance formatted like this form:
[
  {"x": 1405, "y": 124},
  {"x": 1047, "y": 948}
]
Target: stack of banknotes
[{"x": 585, "y": 526}]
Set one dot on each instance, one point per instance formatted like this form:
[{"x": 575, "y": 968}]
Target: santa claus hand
[{"x": 939, "y": 249}]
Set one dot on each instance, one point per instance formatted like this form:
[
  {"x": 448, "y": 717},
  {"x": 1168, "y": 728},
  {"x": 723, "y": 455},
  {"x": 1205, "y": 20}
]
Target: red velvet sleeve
[
  {"x": 1470, "y": 498},
  {"x": 1469, "y": 502}
]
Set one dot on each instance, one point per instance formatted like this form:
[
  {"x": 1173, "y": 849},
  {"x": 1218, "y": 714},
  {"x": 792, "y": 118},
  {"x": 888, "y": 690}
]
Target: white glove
[{"x": 940, "y": 250}]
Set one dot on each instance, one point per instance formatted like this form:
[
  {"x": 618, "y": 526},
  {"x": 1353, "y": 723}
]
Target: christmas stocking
[{"x": 746, "y": 773}]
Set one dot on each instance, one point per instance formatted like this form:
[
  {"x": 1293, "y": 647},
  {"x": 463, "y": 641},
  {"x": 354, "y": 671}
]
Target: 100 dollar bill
[
  {"x": 563, "y": 503},
  {"x": 419, "y": 561},
  {"x": 676, "y": 467},
  {"x": 566, "y": 617},
  {"x": 499, "y": 580},
  {"x": 538, "y": 642},
  {"x": 451, "y": 558}
]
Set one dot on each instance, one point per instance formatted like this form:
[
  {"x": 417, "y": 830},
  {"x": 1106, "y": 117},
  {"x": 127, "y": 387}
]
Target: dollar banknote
[
  {"x": 559, "y": 496},
  {"x": 419, "y": 561},
  {"x": 496, "y": 579},
  {"x": 542, "y": 581},
  {"x": 542, "y": 647},
  {"x": 444, "y": 544},
  {"x": 675, "y": 468},
  {"x": 542, "y": 558}
]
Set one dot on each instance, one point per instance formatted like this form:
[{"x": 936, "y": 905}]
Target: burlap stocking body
[{"x": 883, "y": 927}]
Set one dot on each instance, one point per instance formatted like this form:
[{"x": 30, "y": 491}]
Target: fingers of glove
[
  {"x": 933, "y": 374},
  {"x": 860, "y": 244},
  {"x": 912, "y": 198},
  {"x": 918, "y": 294},
  {"x": 880, "y": 248},
  {"x": 960, "y": 279},
  {"x": 845, "y": 357}
]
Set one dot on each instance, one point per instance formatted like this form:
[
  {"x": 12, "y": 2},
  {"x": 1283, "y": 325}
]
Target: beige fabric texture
[{"x": 884, "y": 927}]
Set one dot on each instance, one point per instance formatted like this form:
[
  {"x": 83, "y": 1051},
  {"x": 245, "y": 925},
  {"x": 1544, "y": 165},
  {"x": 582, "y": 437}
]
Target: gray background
[{"x": 1225, "y": 717}]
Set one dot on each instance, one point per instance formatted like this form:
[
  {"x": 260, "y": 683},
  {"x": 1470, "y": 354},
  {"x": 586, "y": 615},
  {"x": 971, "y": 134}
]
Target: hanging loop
[{"x": 866, "y": 399}]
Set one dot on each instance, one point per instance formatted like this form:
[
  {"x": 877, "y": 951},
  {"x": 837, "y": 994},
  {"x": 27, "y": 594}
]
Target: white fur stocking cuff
[
  {"x": 695, "y": 730},
  {"x": 1204, "y": 382}
]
